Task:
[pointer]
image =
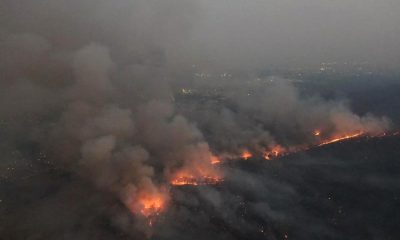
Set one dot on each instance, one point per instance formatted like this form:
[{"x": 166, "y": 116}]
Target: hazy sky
[
  {"x": 233, "y": 33},
  {"x": 299, "y": 31}
]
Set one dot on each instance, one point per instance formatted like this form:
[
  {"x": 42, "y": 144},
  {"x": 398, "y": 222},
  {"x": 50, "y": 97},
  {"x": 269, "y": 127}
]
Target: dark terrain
[{"x": 347, "y": 190}]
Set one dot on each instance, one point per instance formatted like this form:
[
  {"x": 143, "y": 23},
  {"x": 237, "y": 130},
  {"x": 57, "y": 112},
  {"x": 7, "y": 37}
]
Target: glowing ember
[
  {"x": 246, "y": 155},
  {"x": 198, "y": 174},
  {"x": 184, "y": 180},
  {"x": 317, "y": 132},
  {"x": 276, "y": 151},
  {"x": 340, "y": 138},
  {"x": 190, "y": 180}
]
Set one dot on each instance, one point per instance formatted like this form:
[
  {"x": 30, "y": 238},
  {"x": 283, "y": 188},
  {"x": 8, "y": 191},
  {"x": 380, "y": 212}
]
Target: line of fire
[{"x": 152, "y": 204}]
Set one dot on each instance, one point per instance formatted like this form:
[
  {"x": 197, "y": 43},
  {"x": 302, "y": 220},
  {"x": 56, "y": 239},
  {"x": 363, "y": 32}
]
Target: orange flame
[
  {"x": 279, "y": 151},
  {"x": 195, "y": 181},
  {"x": 184, "y": 180},
  {"x": 150, "y": 204},
  {"x": 215, "y": 160},
  {"x": 246, "y": 155},
  {"x": 198, "y": 173},
  {"x": 276, "y": 151},
  {"x": 341, "y": 138}
]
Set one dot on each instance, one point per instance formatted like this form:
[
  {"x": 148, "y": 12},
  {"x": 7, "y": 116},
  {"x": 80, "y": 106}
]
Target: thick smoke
[
  {"x": 87, "y": 87},
  {"x": 264, "y": 113},
  {"x": 97, "y": 103}
]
